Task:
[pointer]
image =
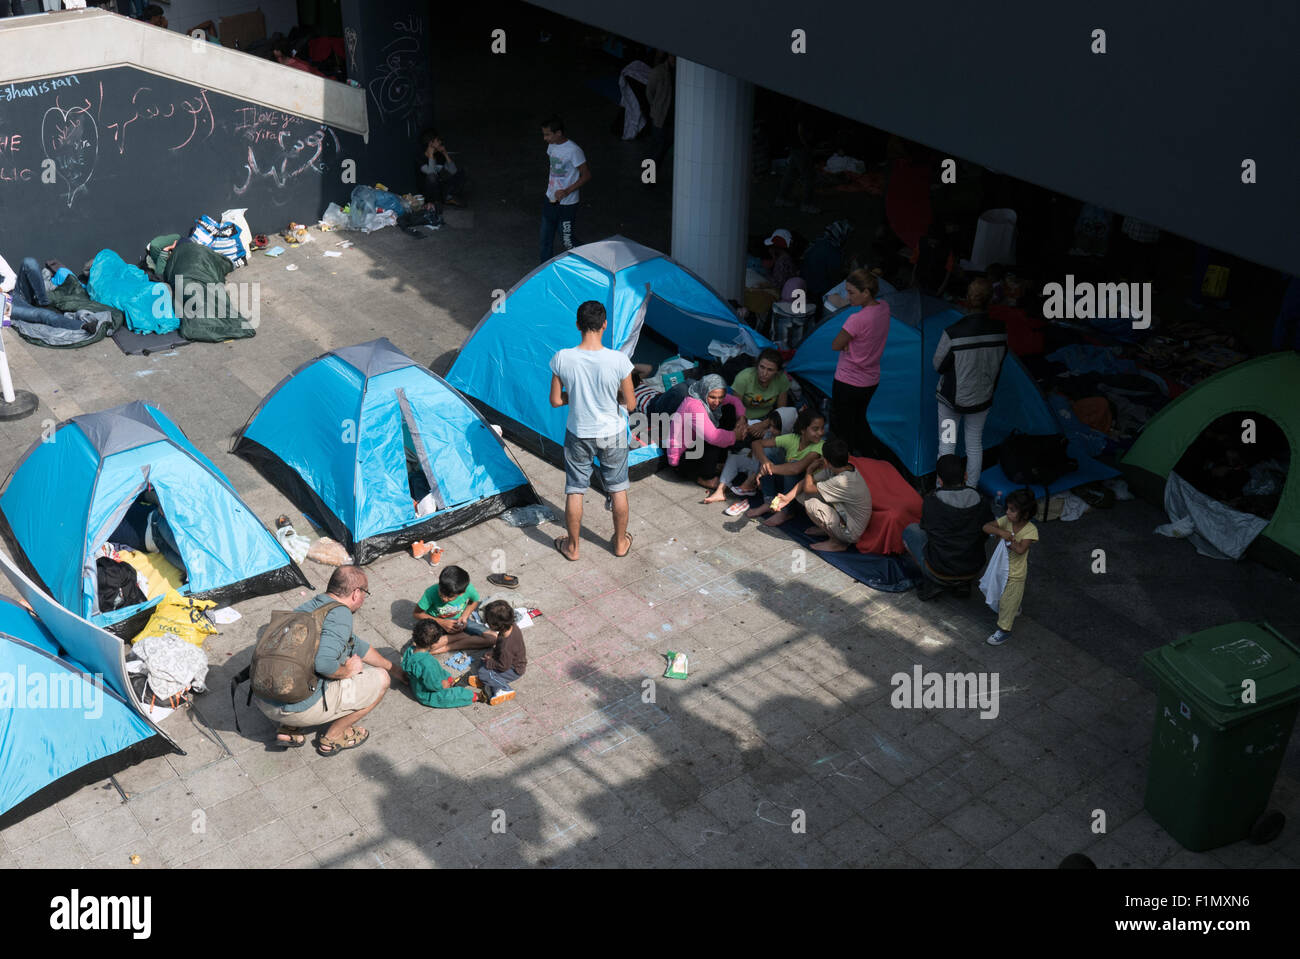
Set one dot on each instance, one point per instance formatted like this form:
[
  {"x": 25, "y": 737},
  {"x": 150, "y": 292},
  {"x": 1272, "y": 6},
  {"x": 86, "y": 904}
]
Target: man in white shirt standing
[
  {"x": 569, "y": 174},
  {"x": 593, "y": 382}
]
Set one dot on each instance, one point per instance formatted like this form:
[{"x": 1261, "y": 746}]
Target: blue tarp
[
  {"x": 903, "y": 413},
  {"x": 345, "y": 421},
  {"x": 505, "y": 363},
  {"x": 148, "y": 306},
  {"x": 66, "y": 498},
  {"x": 993, "y": 480},
  {"x": 889, "y": 574}
]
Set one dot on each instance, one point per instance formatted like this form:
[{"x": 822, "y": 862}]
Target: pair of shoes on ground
[{"x": 501, "y": 695}]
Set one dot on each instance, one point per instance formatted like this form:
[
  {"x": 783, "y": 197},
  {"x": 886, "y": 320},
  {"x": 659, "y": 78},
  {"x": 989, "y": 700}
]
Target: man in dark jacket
[
  {"x": 969, "y": 361},
  {"x": 949, "y": 540}
]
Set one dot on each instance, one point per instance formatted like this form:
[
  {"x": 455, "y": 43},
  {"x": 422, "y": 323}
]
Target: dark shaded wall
[
  {"x": 136, "y": 155},
  {"x": 386, "y": 43},
  {"x": 1157, "y": 127}
]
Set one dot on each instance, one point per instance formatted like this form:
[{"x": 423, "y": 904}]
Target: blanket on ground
[{"x": 208, "y": 312}]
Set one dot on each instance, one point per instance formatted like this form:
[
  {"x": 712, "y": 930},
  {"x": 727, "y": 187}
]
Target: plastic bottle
[{"x": 1000, "y": 499}]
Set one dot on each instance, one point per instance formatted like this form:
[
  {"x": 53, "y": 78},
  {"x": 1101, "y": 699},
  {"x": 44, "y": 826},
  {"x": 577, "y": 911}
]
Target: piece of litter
[
  {"x": 274, "y": 251},
  {"x": 135, "y": 860},
  {"x": 677, "y": 665},
  {"x": 292, "y": 266},
  {"x": 331, "y": 253},
  {"x": 223, "y": 617},
  {"x": 345, "y": 244}
]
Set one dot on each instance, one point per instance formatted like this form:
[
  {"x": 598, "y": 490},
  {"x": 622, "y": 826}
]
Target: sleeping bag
[
  {"x": 70, "y": 297},
  {"x": 148, "y": 306},
  {"x": 208, "y": 312}
]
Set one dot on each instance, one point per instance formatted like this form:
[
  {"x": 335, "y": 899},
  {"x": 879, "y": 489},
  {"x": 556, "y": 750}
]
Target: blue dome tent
[
  {"x": 903, "y": 412},
  {"x": 65, "y": 699},
  {"x": 67, "y": 496},
  {"x": 504, "y": 365},
  {"x": 358, "y": 436}
]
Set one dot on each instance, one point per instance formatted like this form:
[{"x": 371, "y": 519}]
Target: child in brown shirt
[{"x": 507, "y": 660}]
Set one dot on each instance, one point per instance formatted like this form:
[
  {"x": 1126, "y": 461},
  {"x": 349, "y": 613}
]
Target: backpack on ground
[
  {"x": 117, "y": 584},
  {"x": 283, "y": 669},
  {"x": 1035, "y": 460}
]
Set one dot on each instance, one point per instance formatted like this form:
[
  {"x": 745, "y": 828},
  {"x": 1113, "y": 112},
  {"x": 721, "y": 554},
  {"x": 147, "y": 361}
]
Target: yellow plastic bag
[
  {"x": 1215, "y": 284},
  {"x": 181, "y": 616}
]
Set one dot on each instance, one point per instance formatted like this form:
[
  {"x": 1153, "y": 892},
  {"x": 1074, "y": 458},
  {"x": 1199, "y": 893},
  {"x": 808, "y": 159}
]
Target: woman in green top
[
  {"x": 782, "y": 460},
  {"x": 763, "y": 387},
  {"x": 430, "y": 683}
]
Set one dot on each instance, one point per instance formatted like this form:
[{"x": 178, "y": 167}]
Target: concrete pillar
[{"x": 711, "y": 175}]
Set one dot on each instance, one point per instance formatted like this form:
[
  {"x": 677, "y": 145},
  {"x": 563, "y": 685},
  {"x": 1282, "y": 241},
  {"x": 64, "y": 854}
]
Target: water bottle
[{"x": 999, "y": 500}]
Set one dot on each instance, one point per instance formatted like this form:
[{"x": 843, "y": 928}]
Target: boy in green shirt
[
  {"x": 430, "y": 683},
  {"x": 449, "y": 603}
]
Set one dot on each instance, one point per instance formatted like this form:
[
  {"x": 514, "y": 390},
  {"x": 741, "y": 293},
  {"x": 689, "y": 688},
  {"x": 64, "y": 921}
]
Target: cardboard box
[{"x": 242, "y": 30}]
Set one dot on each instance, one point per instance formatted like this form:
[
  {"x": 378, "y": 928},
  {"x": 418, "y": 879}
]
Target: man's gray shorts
[{"x": 578, "y": 461}]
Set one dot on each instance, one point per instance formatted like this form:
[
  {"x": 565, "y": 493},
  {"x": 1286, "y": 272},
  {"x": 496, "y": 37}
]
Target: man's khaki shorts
[{"x": 342, "y": 697}]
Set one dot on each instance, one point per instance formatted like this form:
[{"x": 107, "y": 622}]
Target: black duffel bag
[{"x": 1035, "y": 460}]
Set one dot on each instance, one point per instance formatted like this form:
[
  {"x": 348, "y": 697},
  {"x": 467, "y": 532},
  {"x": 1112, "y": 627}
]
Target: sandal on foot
[
  {"x": 559, "y": 548},
  {"x": 629, "y": 547},
  {"x": 738, "y": 508},
  {"x": 504, "y": 579},
  {"x": 353, "y": 738},
  {"x": 294, "y": 737}
]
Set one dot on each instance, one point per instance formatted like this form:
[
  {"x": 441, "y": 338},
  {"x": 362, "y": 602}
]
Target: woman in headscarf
[{"x": 704, "y": 427}]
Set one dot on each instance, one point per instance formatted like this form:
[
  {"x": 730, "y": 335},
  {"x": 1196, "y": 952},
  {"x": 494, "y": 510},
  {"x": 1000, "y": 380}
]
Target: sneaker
[
  {"x": 420, "y": 549},
  {"x": 740, "y": 490},
  {"x": 738, "y": 508},
  {"x": 504, "y": 696},
  {"x": 998, "y": 638},
  {"x": 475, "y": 682}
]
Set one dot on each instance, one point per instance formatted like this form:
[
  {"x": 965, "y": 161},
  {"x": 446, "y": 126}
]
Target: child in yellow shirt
[{"x": 1016, "y": 528}]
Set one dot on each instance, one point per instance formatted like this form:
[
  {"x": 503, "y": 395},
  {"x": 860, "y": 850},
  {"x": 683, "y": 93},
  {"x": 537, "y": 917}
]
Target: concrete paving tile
[
  {"x": 354, "y": 849},
  {"x": 107, "y": 831},
  {"x": 89, "y": 802},
  {"x": 37, "y": 825},
  {"x": 59, "y": 850},
  {"x": 270, "y": 846},
  {"x": 185, "y": 840},
  {"x": 146, "y": 775},
  {"x": 938, "y": 791},
  {"x": 940, "y": 848},
  {"x": 980, "y": 824},
  {"x": 318, "y": 823},
  {"x": 163, "y": 805},
  {"x": 897, "y": 817},
  {"x": 218, "y": 783},
  {"x": 241, "y": 814},
  {"x": 1021, "y": 850},
  {"x": 1064, "y": 829},
  {"x": 262, "y": 765},
  {"x": 294, "y": 789},
  {"x": 1016, "y": 799},
  {"x": 141, "y": 850}
]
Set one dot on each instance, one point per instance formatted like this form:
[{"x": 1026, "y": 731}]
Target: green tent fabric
[
  {"x": 206, "y": 312},
  {"x": 1269, "y": 385},
  {"x": 70, "y": 296}
]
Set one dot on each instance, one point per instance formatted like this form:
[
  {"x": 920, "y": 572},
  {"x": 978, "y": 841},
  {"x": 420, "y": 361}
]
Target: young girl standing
[{"x": 1016, "y": 528}]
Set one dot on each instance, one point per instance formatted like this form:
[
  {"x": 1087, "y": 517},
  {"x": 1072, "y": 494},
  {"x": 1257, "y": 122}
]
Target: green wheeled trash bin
[{"x": 1227, "y": 700}]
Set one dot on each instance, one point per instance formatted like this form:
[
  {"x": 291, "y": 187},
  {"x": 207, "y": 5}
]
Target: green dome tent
[{"x": 1268, "y": 385}]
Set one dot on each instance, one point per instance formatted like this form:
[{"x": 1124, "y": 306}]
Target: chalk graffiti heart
[{"x": 70, "y": 138}]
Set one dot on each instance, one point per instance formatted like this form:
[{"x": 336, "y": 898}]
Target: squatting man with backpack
[{"x": 350, "y": 677}]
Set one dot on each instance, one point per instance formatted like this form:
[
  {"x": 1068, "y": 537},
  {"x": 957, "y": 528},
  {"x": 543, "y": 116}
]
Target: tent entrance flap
[
  {"x": 693, "y": 332},
  {"x": 419, "y": 469}
]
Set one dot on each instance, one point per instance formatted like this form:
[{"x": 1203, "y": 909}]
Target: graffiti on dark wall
[
  {"x": 281, "y": 146},
  {"x": 400, "y": 87}
]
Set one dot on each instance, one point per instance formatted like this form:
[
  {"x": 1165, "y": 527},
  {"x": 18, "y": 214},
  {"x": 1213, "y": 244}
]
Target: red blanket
[{"x": 894, "y": 505}]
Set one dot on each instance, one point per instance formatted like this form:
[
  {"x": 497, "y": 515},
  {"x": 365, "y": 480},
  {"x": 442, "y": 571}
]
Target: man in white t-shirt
[
  {"x": 569, "y": 174},
  {"x": 594, "y": 382}
]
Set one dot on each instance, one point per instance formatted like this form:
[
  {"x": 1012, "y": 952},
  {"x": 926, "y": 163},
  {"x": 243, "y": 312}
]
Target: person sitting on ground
[
  {"x": 645, "y": 387},
  {"x": 430, "y": 683},
  {"x": 1020, "y": 533},
  {"x": 707, "y": 424},
  {"x": 949, "y": 540},
  {"x": 506, "y": 663},
  {"x": 763, "y": 387},
  {"x": 782, "y": 460},
  {"x": 835, "y": 497},
  {"x": 29, "y": 301},
  {"x": 354, "y": 676},
  {"x": 443, "y": 181},
  {"x": 450, "y": 603}
]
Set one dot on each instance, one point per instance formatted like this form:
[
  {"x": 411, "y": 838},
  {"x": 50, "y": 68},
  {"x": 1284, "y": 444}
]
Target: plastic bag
[
  {"x": 179, "y": 616},
  {"x": 722, "y": 352},
  {"x": 245, "y": 234},
  {"x": 1179, "y": 529},
  {"x": 377, "y": 221},
  {"x": 528, "y": 515},
  {"x": 296, "y": 546},
  {"x": 369, "y": 202},
  {"x": 328, "y": 552},
  {"x": 335, "y": 218}
]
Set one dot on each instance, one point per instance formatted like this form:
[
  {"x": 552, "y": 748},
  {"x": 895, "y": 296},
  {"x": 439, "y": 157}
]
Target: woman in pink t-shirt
[{"x": 860, "y": 344}]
